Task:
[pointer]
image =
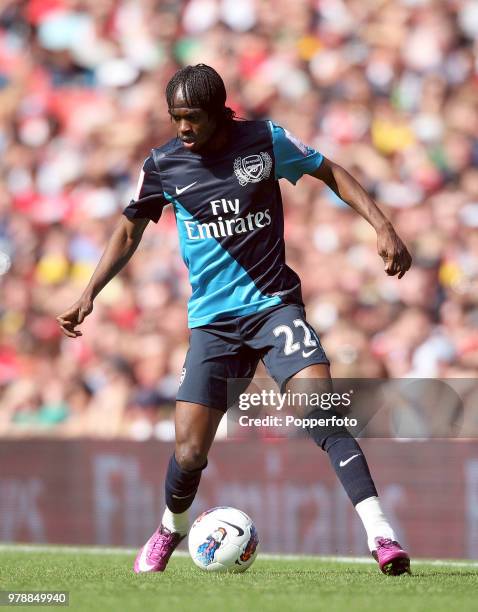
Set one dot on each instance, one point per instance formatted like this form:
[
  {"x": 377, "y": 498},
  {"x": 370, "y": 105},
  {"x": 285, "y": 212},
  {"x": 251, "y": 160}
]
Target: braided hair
[{"x": 201, "y": 87}]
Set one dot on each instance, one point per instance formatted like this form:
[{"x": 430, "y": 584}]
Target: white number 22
[{"x": 290, "y": 346}]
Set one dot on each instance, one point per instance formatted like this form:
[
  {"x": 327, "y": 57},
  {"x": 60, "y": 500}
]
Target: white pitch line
[
  {"x": 47, "y": 548},
  {"x": 96, "y": 550}
]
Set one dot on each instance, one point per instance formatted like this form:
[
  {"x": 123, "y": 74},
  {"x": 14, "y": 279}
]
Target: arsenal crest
[{"x": 253, "y": 168}]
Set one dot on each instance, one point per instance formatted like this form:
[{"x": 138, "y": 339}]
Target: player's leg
[
  {"x": 349, "y": 463},
  {"x": 296, "y": 360},
  {"x": 214, "y": 356},
  {"x": 343, "y": 450},
  {"x": 196, "y": 427}
]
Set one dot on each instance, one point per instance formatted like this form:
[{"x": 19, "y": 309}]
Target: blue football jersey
[{"x": 229, "y": 216}]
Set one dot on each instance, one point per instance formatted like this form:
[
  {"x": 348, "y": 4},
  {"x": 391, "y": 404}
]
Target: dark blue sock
[
  {"x": 350, "y": 466},
  {"x": 181, "y": 486},
  {"x": 345, "y": 455}
]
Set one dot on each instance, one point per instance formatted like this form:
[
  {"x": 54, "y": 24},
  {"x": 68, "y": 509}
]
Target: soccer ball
[{"x": 223, "y": 539}]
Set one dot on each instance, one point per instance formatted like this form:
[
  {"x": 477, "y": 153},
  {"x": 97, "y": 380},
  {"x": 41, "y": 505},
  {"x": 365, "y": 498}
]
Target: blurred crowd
[{"x": 387, "y": 88}]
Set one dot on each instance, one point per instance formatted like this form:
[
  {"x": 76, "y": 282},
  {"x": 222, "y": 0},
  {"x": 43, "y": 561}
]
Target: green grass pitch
[{"x": 102, "y": 580}]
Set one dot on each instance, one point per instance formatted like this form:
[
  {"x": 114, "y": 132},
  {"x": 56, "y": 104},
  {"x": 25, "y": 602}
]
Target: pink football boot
[
  {"x": 154, "y": 555},
  {"x": 391, "y": 558}
]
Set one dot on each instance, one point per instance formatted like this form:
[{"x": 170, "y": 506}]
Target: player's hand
[
  {"x": 75, "y": 316},
  {"x": 394, "y": 253}
]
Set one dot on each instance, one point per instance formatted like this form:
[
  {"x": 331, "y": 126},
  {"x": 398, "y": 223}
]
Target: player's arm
[
  {"x": 119, "y": 249},
  {"x": 146, "y": 205},
  {"x": 390, "y": 247}
]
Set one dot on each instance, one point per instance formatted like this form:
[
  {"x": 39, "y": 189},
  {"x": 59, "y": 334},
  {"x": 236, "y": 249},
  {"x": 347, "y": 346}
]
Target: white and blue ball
[{"x": 223, "y": 539}]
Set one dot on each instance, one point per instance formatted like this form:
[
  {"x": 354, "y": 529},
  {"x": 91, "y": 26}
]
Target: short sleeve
[
  {"x": 293, "y": 158},
  {"x": 149, "y": 200}
]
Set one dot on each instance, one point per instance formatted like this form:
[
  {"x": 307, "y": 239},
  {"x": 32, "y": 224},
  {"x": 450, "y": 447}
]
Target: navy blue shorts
[{"x": 231, "y": 349}]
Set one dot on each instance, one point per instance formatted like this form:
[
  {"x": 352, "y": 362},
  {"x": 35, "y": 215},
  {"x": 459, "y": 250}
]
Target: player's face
[{"x": 194, "y": 126}]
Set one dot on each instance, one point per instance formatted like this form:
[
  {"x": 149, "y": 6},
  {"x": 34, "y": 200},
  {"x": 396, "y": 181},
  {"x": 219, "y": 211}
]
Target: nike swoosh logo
[
  {"x": 304, "y": 354},
  {"x": 344, "y": 463},
  {"x": 182, "y": 497},
  {"x": 240, "y": 531},
  {"x": 180, "y": 190}
]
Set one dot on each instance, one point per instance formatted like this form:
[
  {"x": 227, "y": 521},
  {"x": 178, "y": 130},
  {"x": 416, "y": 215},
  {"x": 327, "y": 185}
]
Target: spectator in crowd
[{"x": 388, "y": 89}]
